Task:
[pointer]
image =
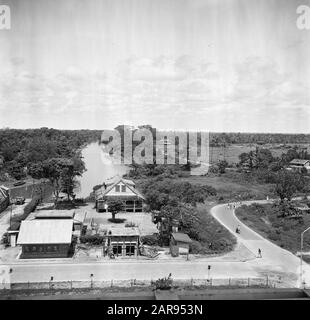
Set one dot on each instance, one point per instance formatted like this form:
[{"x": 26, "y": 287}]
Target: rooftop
[
  {"x": 45, "y": 231},
  {"x": 125, "y": 231},
  {"x": 118, "y": 178},
  {"x": 55, "y": 214},
  {"x": 182, "y": 237},
  {"x": 299, "y": 161}
]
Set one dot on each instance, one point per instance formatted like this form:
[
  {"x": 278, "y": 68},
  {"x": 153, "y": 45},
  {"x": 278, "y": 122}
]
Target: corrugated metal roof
[
  {"x": 45, "y": 231},
  {"x": 55, "y": 214},
  {"x": 182, "y": 237}
]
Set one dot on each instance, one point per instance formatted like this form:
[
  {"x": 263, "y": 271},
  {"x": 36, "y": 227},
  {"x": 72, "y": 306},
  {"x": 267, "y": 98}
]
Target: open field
[
  {"x": 284, "y": 232},
  {"x": 232, "y": 152},
  {"x": 232, "y": 184}
]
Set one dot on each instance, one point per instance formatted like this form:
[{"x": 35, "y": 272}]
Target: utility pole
[
  {"x": 209, "y": 269},
  {"x": 301, "y": 249}
]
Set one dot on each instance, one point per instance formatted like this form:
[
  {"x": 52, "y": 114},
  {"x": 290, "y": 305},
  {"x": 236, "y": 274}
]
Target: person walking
[{"x": 259, "y": 253}]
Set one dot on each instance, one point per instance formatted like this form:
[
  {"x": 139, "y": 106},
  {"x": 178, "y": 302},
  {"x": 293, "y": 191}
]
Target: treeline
[
  {"x": 264, "y": 168},
  {"x": 20, "y": 149},
  {"x": 226, "y": 138},
  {"x": 217, "y": 139},
  {"x": 160, "y": 192}
]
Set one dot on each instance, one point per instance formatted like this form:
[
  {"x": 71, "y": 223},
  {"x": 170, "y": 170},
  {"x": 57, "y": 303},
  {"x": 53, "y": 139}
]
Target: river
[{"x": 99, "y": 167}]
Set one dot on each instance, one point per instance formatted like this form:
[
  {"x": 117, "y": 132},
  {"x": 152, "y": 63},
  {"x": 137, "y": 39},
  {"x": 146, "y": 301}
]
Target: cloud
[{"x": 163, "y": 90}]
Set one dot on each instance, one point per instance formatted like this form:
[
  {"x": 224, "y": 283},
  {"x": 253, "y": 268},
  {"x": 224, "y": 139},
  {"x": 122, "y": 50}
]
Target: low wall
[{"x": 235, "y": 283}]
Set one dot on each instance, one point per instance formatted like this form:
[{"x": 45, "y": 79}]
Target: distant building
[
  {"x": 118, "y": 188},
  {"x": 45, "y": 238},
  {"x": 298, "y": 164},
  {"x": 4, "y": 198}
]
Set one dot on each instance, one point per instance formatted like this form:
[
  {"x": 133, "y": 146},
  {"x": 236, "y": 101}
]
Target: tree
[
  {"x": 259, "y": 158},
  {"x": 183, "y": 213},
  {"x": 60, "y": 172},
  {"x": 74, "y": 168},
  {"x": 286, "y": 185},
  {"x": 222, "y": 165},
  {"x": 115, "y": 206}
]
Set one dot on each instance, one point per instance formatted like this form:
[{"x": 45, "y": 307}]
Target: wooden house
[
  {"x": 118, "y": 188},
  {"x": 298, "y": 164},
  {"x": 45, "y": 238}
]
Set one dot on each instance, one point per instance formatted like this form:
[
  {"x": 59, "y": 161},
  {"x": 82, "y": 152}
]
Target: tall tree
[
  {"x": 287, "y": 183},
  {"x": 60, "y": 172}
]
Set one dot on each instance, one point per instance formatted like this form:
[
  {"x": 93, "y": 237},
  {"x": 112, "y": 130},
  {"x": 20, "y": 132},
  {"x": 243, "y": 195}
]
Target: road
[
  {"x": 274, "y": 261},
  {"x": 272, "y": 255},
  {"x": 133, "y": 270}
]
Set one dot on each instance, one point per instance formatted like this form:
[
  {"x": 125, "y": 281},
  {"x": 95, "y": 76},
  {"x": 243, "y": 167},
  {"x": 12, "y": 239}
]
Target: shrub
[
  {"x": 222, "y": 244},
  {"x": 150, "y": 240},
  {"x": 5, "y": 239},
  {"x": 196, "y": 247},
  {"x": 273, "y": 235},
  {"x": 95, "y": 239},
  {"x": 163, "y": 283},
  {"x": 130, "y": 225},
  {"x": 65, "y": 205},
  {"x": 116, "y": 220},
  {"x": 30, "y": 207}
]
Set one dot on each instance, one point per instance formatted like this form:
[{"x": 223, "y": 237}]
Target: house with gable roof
[
  {"x": 118, "y": 188},
  {"x": 298, "y": 164}
]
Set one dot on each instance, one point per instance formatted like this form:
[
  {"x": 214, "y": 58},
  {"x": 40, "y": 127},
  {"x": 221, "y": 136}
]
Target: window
[
  {"x": 117, "y": 188},
  {"x": 130, "y": 250},
  {"x": 123, "y": 188},
  {"x": 117, "y": 250}
]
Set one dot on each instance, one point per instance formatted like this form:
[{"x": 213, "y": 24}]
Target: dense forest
[{"x": 20, "y": 149}]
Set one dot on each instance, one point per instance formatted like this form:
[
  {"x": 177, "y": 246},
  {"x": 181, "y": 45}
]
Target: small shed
[
  {"x": 45, "y": 238},
  {"x": 181, "y": 240}
]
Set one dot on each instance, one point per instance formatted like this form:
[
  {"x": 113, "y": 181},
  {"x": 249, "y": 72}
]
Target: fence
[{"x": 92, "y": 284}]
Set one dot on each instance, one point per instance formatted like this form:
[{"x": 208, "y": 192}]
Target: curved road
[
  {"x": 273, "y": 256},
  {"x": 274, "y": 261}
]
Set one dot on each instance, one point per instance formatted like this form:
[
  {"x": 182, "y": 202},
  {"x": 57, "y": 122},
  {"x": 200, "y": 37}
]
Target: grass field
[
  {"x": 231, "y": 153},
  {"x": 285, "y": 232},
  {"x": 232, "y": 185}
]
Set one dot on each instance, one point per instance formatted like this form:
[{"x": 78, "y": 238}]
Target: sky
[{"x": 211, "y": 65}]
